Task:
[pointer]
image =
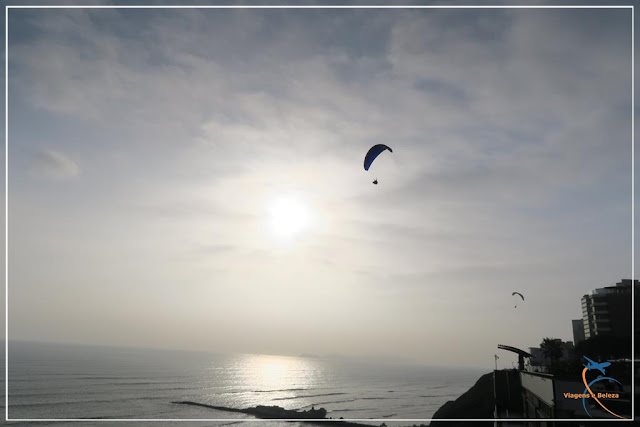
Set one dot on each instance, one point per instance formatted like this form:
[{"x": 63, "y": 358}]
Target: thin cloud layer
[
  {"x": 54, "y": 164},
  {"x": 511, "y": 137}
]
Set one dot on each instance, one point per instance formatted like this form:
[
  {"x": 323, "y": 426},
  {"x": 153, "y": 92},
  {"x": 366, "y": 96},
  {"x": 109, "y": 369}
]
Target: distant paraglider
[
  {"x": 372, "y": 154},
  {"x": 519, "y": 294}
]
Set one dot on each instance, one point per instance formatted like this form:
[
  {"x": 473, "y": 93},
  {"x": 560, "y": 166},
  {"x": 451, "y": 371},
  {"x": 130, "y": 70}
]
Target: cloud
[
  {"x": 54, "y": 164},
  {"x": 510, "y": 134},
  {"x": 256, "y": 88}
]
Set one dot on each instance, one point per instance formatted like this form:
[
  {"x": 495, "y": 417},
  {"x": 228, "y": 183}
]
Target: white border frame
[{"x": 385, "y": 420}]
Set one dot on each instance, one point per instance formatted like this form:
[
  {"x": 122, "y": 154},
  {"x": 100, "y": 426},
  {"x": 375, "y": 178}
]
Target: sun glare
[{"x": 288, "y": 217}]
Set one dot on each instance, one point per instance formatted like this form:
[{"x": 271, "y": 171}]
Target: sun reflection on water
[
  {"x": 280, "y": 379},
  {"x": 269, "y": 373}
]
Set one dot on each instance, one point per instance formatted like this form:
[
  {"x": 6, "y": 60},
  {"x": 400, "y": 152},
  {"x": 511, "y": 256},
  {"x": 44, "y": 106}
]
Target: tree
[
  {"x": 605, "y": 347},
  {"x": 552, "y": 349}
]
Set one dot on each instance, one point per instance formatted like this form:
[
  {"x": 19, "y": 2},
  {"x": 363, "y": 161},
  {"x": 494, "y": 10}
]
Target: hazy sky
[{"x": 193, "y": 178}]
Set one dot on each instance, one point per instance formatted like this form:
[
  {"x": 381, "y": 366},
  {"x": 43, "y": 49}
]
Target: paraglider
[
  {"x": 514, "y": 294},
  {"x": 372, "y": 154}
]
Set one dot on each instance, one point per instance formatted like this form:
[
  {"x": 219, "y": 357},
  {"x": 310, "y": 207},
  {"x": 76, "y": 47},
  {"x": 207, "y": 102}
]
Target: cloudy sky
[{"x": 193, "y": 179}]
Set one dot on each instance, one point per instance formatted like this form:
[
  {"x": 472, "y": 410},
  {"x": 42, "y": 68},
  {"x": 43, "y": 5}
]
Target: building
[
  {"x": 546, "y": 396},
  {"x": 540, "y": 359},
  {"x": 607, "y": 311},
  {"x": 578, "y": 331},
  {"x": 537, "y": 357}
]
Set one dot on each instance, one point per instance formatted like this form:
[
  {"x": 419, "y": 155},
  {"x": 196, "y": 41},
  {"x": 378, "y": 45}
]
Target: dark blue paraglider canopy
[{"x": 373, "y": 153}]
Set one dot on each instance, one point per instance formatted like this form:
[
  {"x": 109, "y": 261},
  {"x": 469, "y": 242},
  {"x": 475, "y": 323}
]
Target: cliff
[{"x": 476, "y": 403}]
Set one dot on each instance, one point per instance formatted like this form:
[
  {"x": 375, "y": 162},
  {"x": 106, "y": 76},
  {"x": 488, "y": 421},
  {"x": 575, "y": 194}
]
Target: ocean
[{"x": 60, "y": 381}]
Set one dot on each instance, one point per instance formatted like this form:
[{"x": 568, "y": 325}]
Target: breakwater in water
[{"x": 279, "y": 413}]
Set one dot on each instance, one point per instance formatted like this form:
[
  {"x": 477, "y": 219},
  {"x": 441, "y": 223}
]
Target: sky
[{"x": 193, "y": 178}]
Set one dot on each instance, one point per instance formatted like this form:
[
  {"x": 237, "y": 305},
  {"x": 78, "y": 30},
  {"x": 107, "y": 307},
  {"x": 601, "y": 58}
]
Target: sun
[{"x": 288, "y": 217}]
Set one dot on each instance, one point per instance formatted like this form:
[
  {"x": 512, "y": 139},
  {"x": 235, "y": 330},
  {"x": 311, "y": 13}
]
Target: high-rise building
[
  {"x": 578, "y": 330},
  {"x": 607, "y": 311}
]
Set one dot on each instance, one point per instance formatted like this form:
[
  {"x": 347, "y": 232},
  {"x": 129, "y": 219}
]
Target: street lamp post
[{"x": 495, "y": 400}]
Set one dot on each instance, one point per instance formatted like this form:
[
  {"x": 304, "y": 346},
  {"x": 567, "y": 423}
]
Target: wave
[
  {"x": 307, "y": 395},
  {"x": 284, "y": 389},
  {"x": 356, "y": 409},
  {"x": 39, "y": 377},
  {"x": 139, "y": 383},
  {"x": 408, "y": 405},
  {"x": 256, "y": 391},
  {"x": 330, "y": 402},
  {"x": 439, "y": 395},
  {"x": 82, "y": 402},
  {"x": 347, "y": 400},
  {"x": 226, "y": 393},
  {"x": 97, "y": 377},
  {"x": 91, "y": 392}
]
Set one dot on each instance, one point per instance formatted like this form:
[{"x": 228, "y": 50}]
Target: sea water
[{"x": 57, "y": 381}]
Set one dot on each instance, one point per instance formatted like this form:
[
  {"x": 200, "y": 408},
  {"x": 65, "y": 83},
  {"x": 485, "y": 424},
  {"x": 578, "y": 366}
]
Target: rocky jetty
[
  {"x": 261, "y": 411},
  {"x": 277, "y": 412}
]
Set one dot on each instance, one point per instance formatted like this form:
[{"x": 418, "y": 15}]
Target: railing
[{"x": 540, "y": 385}]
